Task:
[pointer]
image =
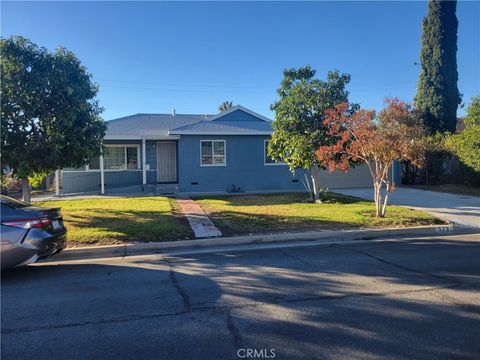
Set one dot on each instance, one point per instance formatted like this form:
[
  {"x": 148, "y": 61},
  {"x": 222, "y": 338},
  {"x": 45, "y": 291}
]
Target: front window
[
  {"x": 268, "y": 159},
  {"x": 212, "y": 152},
  {"x": 118, "y": 158}
]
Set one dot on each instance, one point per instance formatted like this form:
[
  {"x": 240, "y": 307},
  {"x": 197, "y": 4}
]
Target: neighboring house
[{"x": 179, "y": 153}]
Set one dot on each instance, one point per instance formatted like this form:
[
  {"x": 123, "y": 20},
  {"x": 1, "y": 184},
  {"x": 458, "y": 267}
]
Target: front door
[{"x": 167, "y": 161}]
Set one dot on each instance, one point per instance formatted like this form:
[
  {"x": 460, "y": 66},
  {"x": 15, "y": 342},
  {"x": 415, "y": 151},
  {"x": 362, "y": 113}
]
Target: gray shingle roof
[
  {"x": 141, "y": 125},
  {"x": 150, "y": 124},
  {"x": 229, "y": 127}
]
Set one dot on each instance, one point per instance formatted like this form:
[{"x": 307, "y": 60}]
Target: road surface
[{"x": 394, "y": 299}]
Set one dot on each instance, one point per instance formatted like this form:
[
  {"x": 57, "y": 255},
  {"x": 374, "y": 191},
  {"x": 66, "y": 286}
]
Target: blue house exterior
[{"x": 193, "y": 154}]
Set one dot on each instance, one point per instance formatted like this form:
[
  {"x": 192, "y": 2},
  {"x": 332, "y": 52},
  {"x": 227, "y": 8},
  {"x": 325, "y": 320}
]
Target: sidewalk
[
  {"x": 329, "y": 237},
  {"x": 200, "y": 223}
]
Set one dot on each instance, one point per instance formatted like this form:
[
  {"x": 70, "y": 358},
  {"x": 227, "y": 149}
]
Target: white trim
[
  {"x": 97, "y": 170},
  {"x": 138, "y": 137},
  {"x": 102, "y": 176},
  {"x": 144, "y": 161},
  {"x": 224, "y": 133},
  {"x": 87, "y": 167},
  {"x": 281, "y": 163},
  {"x": 57, "y": 182},
  {"x": 224, "y": 152},
  {"x": 239, "y": 107}
]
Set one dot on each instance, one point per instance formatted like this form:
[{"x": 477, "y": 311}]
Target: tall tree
[
  {"x": 299, "y": 128},
  {"x": 50, "y": 118},
  {"x": 437, "y": 96},
  {"x": 224, "y": 106},
  {"x": 396, "y": 134},
  {"x": 466, "y": 144}
]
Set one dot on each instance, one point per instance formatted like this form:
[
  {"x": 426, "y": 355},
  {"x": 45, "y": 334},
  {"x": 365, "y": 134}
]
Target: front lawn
[
  {"x": 119, "y": 220},
  {"x": 244, "y": 214}
]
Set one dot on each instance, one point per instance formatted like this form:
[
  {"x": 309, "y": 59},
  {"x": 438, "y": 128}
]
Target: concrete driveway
[{"x": 460, "y": 209}]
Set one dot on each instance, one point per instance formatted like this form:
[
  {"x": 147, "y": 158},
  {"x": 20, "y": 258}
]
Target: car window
[{"x": 8, "y": 202}]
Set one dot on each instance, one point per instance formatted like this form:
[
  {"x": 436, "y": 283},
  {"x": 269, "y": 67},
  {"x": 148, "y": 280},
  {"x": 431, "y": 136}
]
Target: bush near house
[{"x": 452, "y": 160}]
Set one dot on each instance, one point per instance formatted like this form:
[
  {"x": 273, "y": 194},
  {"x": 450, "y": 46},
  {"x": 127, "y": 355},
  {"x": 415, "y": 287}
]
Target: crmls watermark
[{"x": 256, "y": 353}]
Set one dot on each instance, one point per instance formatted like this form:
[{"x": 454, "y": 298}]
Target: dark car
[{"x": 29, "y": 233}]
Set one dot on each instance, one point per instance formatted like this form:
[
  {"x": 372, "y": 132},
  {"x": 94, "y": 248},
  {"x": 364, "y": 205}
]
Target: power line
[{"x": 179, "y": 85}]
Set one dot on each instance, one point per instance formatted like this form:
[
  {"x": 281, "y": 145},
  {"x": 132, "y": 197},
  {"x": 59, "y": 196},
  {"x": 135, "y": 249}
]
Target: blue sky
[{"x": 152, "y": 57}]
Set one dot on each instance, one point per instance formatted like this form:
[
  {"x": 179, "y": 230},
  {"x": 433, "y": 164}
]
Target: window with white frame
[
  {"x": 268, "y": 160},
  {"x": 118, "y": 157},
  {"x": 212, "y": 152}
]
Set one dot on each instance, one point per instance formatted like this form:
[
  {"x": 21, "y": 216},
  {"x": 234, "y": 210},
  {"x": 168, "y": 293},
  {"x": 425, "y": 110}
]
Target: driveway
[
  {"x": 415, "y": 299},
  {"x": 460, "y": 209}
]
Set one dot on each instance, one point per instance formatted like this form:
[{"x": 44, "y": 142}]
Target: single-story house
[{"x": 184, "y": 153}]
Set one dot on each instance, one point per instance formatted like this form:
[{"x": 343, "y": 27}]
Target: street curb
[{"x": 131, "y": 249}]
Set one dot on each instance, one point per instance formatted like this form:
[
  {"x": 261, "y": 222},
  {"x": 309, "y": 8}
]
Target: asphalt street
[{"x": 412, "y": 299}]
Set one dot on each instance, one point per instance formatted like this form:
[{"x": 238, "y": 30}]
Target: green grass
[
  {"x": 243, "y": 214},
  {"x": 119, "y": 220},
  {"x": 115, "y": 221}
]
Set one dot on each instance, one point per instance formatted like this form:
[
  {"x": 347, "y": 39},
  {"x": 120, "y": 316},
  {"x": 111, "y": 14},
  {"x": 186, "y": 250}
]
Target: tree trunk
[
  {"x": 377, "y": 188},
  {"x": 26, "y": 190},
  {"x": 316, "y": 192},
  {"x": 384, "y": 206}
]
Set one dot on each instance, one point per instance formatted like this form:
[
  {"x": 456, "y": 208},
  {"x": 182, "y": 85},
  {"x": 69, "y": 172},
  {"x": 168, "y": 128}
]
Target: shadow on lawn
[
  {"x": 277, "y": 199},
  {"x": 131, "y": 225},
  {"x": 235, "y": 222}
]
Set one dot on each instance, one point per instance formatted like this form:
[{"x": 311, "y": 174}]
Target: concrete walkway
[
  {"x": 200, "y": 223},
  {"x": 460, "y": 209}
]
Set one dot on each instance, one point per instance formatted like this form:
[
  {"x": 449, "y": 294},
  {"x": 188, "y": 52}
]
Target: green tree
[
  {"x": 225, "y": 106},
  {"x": 50, "y": 118},
  {"x": 437, "y": 96},
  {"x": 299, "y": 128},
  {"x": 466, "y": 145}
]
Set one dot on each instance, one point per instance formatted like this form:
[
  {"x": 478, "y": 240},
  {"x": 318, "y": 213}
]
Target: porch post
[
  {"x": 57, "y": 182},
  {"x": 102, "y": 176},
  {"x": 144, "y": 161}
]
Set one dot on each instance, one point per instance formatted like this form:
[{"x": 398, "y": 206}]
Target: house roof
[
  {"x": 235, "y": 121},
  {"x": 225, "y": 128},
  {"x": 145, "y": 124}
]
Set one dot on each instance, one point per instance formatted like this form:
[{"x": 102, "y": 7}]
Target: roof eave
[
  {"x": 244, "y": 109},
  {"x": 180, "y": 132},
  {"x": 141, "y": 137}
]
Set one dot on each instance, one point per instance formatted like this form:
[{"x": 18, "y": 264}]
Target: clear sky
[{"x": 152, "y": 57}]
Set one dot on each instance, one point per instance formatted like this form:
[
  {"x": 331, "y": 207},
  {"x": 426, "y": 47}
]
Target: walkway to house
[
  {"x": 460, "y": 209},
  {"x": 200, "y": 223}
]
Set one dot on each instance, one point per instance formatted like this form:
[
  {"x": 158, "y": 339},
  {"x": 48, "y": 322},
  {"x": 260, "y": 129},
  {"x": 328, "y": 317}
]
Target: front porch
[{"x": 146, "y": 165}]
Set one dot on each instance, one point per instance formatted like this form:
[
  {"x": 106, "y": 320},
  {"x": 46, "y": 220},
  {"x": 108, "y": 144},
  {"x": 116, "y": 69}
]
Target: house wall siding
[
  {"x": 238, "y": 115},
  {"x": 245, "y": 168},
  {"x": 89, "y": 181}
]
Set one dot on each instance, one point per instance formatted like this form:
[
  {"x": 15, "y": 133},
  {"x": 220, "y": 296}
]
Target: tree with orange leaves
[{"x": 395, "y": 134}]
